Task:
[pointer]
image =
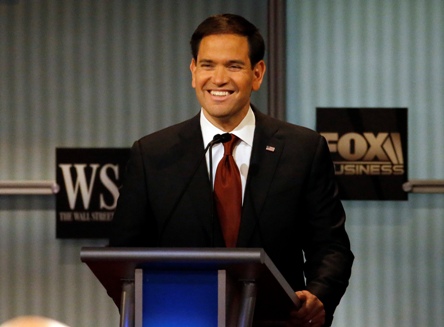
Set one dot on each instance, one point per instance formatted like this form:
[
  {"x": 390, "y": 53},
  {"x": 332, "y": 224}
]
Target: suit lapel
[
  {"x": 266, "y": 152},
  {"x": 198, "y": 191}
]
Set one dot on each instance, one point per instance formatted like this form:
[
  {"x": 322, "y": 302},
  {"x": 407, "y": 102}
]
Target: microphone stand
[{"x": 218, "y": 138}]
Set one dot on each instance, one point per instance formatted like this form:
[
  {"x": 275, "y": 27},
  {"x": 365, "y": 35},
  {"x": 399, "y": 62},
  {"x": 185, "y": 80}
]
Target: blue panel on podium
[{"x": 180, "y": 298}]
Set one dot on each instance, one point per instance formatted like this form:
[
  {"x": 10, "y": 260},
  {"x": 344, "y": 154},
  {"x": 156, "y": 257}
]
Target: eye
[
  {"x": 235, "y": 67},
  {"x": 206, "y": 65}
]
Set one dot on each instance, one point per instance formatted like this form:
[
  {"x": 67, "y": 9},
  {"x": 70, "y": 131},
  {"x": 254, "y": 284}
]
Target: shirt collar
[{"x": 244, "y": 131}]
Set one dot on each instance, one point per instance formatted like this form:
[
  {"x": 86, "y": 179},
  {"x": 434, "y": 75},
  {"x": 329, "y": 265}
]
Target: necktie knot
[{"x": 229, "y": 146}]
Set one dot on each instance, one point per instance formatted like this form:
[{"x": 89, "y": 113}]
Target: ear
[
  {"x": 258, "y": 75},
  {"x": 193, "y": 70}
]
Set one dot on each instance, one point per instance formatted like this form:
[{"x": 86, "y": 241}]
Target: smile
[{"x": 220, "y": 93}]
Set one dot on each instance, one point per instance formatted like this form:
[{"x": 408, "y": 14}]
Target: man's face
[{"x": 224, "y": 79}]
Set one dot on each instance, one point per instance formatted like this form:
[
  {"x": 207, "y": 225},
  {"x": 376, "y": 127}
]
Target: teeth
[{"x": 219, "y": 93}]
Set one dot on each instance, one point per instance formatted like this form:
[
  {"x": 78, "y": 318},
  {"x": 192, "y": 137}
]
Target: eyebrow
[
  {"x": 240, "y": 62},
  {"x": 229, "y": 62}
]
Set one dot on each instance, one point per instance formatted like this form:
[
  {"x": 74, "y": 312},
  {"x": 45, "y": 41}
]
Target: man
[{"x": 290, "y": 204}]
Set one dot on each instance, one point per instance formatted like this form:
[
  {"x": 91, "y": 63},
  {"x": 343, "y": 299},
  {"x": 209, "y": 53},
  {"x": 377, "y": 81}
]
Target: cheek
[{"x": 198, "y": 81}]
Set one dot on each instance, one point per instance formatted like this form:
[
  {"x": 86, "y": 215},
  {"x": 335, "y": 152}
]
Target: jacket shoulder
[
  {"x": 171, "y": 135},
  {"x": 285, "y": 130}
]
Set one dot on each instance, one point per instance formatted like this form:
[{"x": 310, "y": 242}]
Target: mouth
[{"x": 220, "y": 94}]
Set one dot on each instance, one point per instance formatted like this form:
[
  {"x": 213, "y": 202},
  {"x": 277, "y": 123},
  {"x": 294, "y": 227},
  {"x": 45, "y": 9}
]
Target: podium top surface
[{"x": 159, "y": 256}]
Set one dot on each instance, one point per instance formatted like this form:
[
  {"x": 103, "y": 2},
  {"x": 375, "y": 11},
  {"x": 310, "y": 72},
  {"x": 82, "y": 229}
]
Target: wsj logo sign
[
  {"x": 85, "y": 186},
  {"x": 367, "y": 153},
  {"x": 89, "y": 181},
  {"x": 369, "y": 150}
]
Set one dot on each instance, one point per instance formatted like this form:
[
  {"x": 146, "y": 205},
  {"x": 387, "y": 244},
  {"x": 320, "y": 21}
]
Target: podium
[{"x": 192, "y": 287}]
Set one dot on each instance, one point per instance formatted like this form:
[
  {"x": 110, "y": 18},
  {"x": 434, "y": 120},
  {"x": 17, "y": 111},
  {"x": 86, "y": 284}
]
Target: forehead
[{"x": 222, "y": 45}]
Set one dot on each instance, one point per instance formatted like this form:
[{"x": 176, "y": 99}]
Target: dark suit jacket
[{"x": 291, "y": 206}]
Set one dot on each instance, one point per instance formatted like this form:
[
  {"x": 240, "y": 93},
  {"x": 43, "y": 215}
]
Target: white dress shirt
[{"x": 241, "y": 152}]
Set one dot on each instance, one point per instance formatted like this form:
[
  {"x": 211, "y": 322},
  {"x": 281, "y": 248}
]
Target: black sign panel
[
  {"x": 369, "y": 150},
  {"x": 89, "y": 181}
]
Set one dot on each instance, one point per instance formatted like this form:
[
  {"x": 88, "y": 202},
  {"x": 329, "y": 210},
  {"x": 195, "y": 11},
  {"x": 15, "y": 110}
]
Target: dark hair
[{"x": 230, "y": 24}]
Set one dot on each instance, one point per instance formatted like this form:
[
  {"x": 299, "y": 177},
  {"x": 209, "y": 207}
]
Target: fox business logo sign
[
  {"x": 89, "y": 181},
  {"x": 367, "y": 153},
  {"x": 369, "y": 150}
]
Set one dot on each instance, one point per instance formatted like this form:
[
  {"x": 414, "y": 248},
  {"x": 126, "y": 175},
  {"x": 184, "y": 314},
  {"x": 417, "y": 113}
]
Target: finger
[
  {"x": 301, "y": 295},
  {"x": 315, "y": 320},
  {"x": 310, "y": 323},
  {"x": 301, "y": 310},
  {"x": 312, "y": 314}
]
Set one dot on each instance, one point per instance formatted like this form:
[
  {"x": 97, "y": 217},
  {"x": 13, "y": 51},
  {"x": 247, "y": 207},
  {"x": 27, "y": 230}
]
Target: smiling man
[
  {"x": 282, "y": 198},
  {"x": 224, "y": 78}
]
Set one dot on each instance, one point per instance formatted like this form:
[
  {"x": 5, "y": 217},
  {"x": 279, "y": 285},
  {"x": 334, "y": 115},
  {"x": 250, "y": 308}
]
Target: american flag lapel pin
[{"x": 270, "y": 148}]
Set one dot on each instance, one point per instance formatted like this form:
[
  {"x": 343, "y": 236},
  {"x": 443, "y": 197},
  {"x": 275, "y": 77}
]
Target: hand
[{"x": 310, "y": 314}]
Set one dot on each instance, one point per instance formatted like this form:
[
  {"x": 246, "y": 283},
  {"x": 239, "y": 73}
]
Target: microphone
[
  {"x": 224, "y": 138},
  {"x": 218, "y": 138}
]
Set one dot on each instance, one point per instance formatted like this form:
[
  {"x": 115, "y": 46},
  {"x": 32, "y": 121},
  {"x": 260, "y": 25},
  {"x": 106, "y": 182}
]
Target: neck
[{"x": 229, "y": 123}]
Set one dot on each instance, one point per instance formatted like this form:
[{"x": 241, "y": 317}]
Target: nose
[{"x": 220, "y": 75}]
